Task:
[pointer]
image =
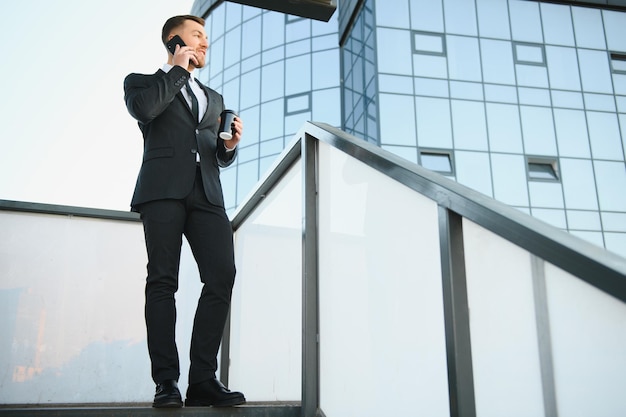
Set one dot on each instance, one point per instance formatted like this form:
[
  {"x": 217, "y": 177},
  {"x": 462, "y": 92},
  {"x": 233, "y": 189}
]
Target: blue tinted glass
[
  {"x": 216, "y": 57},
  {"x": 557, "y": 24},
  {"x": 427, "y": 15},
  {"x": 583, "y": 220},
  {"x": 231, "y": 94},
  {"x": 525, "y": 21},
  {"x": 218, "y": 22},
  {"x": 534, "y": 96},
  {"x": 500, "y": 93},
  {"x": 468, "y": 121},
  {"x": 397, "y": 120},
  {"x": 272, "y": 86},
  {"x": 392, "y": 13},
  {"x": 325, "y": 69},
  {"x": 325, "y": 42},
  {"x": 297, "y": 30},
  {"x": 298, "y": 48},
  {"x": 615, "y": 28},
  {"x": 497, "y": 60},
  {"x": 251, "y": 40},
  {"x": 298, "y": 74},
  {"x": 429, "y": 66},
  {"x": 474, "y": 170},
  {"x": 567, "y": 99},
  {"x": 600, "y": 102},
  {"x": 571, "y": 133},
  {"x": 538, "y": 130},
  {"x": 395, "y": 83},
  {"x": 247, "y": 176},
  {"x": 551, "y": 216},
  {"x": 615, "y": 242},
  {"x": 588, "y": 28},
  {"x": 407, "y": 152},
  {"x": 563, "y": 68},
  {"x": 595, "y": 71},
  {"x": 272, "y": 115},
  {"x": 509, "y": 179},
  {"x": 395, "y": 57},
  {"x": 545, "y": 194},
  {"x": 460, "y": 17},
  {"x": 532, "y": 75},
  {"x": 327, "y": 106},
  {"x": 605, "y": 136},
  {"x": 578, "y": 184},
  {"x": 611, "y": 180},
  {"x": 466, "y": 90},
  {"x": 430, "y": 87},
  {"x": 232, "y": 47},
  {"x": 504, "y": 128},
  {"x": 493, "y": 19},
  {"x": 250, "y": 89},
  {"x": 247, "y": 152},
  {"x": 273, "y": 30},
  {"x": 463, "y": 58},
  {"x": 433, "y": 122}
]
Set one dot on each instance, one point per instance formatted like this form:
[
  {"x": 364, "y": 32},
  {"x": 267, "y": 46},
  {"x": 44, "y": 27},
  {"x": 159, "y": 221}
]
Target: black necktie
[{"x": 194, "y": 101}]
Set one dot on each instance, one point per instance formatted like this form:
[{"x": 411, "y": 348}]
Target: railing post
[
  {"x": 310, "y": 314},
  {"x": 456, "y": 315}
]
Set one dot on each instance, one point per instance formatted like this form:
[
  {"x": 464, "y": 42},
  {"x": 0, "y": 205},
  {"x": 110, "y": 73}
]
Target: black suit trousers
[{"x": 209, "y": 233}]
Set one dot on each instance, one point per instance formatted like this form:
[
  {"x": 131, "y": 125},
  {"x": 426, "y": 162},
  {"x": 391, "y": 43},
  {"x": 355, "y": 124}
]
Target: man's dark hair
[{"x": 176, "y": 21}]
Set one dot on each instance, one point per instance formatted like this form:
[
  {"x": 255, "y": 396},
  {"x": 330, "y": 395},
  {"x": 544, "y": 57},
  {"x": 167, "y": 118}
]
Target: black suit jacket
[{"x": 172, "y": 137}]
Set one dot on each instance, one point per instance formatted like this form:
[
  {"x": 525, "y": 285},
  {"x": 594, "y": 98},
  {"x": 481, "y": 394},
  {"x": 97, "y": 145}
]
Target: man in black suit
[{"x": 178, "y": 193}]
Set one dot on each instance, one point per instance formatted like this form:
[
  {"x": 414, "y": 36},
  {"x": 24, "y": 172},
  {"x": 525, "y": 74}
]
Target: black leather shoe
[
  {"x": 167, "y": 395},
  {"x": 212, "y": 393}
]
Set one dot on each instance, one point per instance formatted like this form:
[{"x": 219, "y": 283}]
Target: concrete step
[{"x": 265, "y": 409}]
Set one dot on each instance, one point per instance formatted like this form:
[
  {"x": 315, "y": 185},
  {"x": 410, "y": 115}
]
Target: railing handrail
[
  {"x": 602, "y": 269},
  {"x": 61, "y": 210}
]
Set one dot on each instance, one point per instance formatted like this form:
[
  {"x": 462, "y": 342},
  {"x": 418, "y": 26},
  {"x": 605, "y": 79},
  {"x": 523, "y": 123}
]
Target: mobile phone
[{"x": 171, "y": 44}]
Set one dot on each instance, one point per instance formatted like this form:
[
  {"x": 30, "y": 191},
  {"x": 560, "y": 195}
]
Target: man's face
[{"x": 194, "y": 36}]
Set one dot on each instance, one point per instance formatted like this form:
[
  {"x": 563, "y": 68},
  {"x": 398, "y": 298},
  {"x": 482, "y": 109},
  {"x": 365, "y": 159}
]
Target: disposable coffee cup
[{"x": 226, "y": 131}]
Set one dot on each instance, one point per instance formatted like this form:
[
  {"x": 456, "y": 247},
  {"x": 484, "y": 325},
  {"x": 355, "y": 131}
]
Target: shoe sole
[
  {"x": 204, "y": 403},
  {"x": 168, "y": 404}
]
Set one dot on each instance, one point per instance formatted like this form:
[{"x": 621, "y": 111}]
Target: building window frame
[
  {"x": 519, "y": 60},
  {"x": 415, "y": 44},
  {"x": 618, "y": 62},
  {"x": 437, "y": 153},
  {"x": 294, "y": 97},
  {"x": 542, "y": 169}
]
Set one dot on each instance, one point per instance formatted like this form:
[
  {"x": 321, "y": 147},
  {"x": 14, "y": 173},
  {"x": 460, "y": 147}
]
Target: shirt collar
[{"x": 167, "y": 67}]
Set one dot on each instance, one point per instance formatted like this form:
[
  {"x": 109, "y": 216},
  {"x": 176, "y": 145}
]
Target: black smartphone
[{"x": 171, "y": 44}]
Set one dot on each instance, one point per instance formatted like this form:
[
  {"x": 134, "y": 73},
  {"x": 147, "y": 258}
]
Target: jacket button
[{"x": 197, "y": 131}]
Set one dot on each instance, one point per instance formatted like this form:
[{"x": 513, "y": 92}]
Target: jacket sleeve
[{"x": 147, "y": 96}]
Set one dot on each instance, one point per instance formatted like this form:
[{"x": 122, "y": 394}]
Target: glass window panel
[
  {"x": 553, "y": 217},
  {"x": 324, "y": 28},
  {"x": 429, "y": 66},
  {"x": 500, "y": 93},
  {"x": 298, "y": 75},
  {"x": 615, "y": 222},
  {"x": 250, "y": 12},
  {"x": 557, "y": 24},
  {"x": 233, "y": 15},
  {"x": 563, "y": 68},
  {"x": 397, "y": 120},
  {"x": 216, "y": 56},
  {"x": 273, "y": 85},
  {"x": 218, "y": 22},
  {"x": 293, "y": 123},
  {"x": 505, "y": 133},
  {"x": 595, "y": 71},
  {"x": 251, "y": 63},
  {"x": 542, "y": 169},
  {"x": 588, "y": 28},
  {"x": 534, "y": 96},
  {"x": 567, "y": 99},
  {"x": 474, "y": 170},
  {"x": 493, "y": 19},
  {"x": 395, "y": 83},
  {"x": 615, "y": 29},
  {"x": 468, "y": 121},
  {"x": 526, "y": 53},
  {"x": 619, "y": 84},
  {"x": 605, "y": 136},
  {"x": 583, "y": 220},
  {"x": 460, "y": 17},
  {"x": 578, "y": 184},
  {"x": 327, "y": 106},
  {"x": 326, "y": 69},
  {"x": 427, "y": 15},
  {"x": 591, "y": 237},
  {"x": 247, "y": 153},
  {"x": 407, "y": 152},
  {"x": 525, "y": 21},
  {"x": 395, "y": 56},
  {"x": 252, "y": 120},
  {"x": 538, "y": 131},
  {"x": 428, "y": 43},
  {"x": 250, "y": 86},
  {"x": 600, "y": 102},
  {"x": 437, "y": 161},
  {"x": 616, "y": 242},
  {"x": 618, "y": 63},
  {"x": 272, "y": 146},
  {"x": 433, "y": 122},
  {"x": 611, "y": 182},
  {"x": 324, "y": 42},
  {"x": 252, "y": 41},
  {"x": 298, "y": 103},
  {"x": 465, "y": 90},
  {"x": 298, "y": 48},
  {"x": 273, "y": 30},
  {"x": 430, "y": 87},
  {"x": 393, "y": 13},
  {"x": 621, "y": 106},
  {"x": 571, "y": 133},
  {"x": 273, "y": 55},
  {"x": 497, "y": 60},
  {"x": 272, "y": 115},
  {"x": 463, "y": 58},
  {"x": 231, "y": 95},
  {"x": 298, "y": 30},
  {"x": 509, "y": 179},
  {"x": 532, "y": 76}
]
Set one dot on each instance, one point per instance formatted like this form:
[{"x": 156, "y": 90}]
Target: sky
[{"x": 65, "y": 135}]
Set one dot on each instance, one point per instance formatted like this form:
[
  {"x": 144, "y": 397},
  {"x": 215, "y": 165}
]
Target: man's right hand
[{"x": 185, "y": 57}]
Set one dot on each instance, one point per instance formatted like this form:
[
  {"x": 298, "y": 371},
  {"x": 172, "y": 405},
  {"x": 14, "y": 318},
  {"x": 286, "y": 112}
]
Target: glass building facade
[{"x": 524, "y": 101}]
